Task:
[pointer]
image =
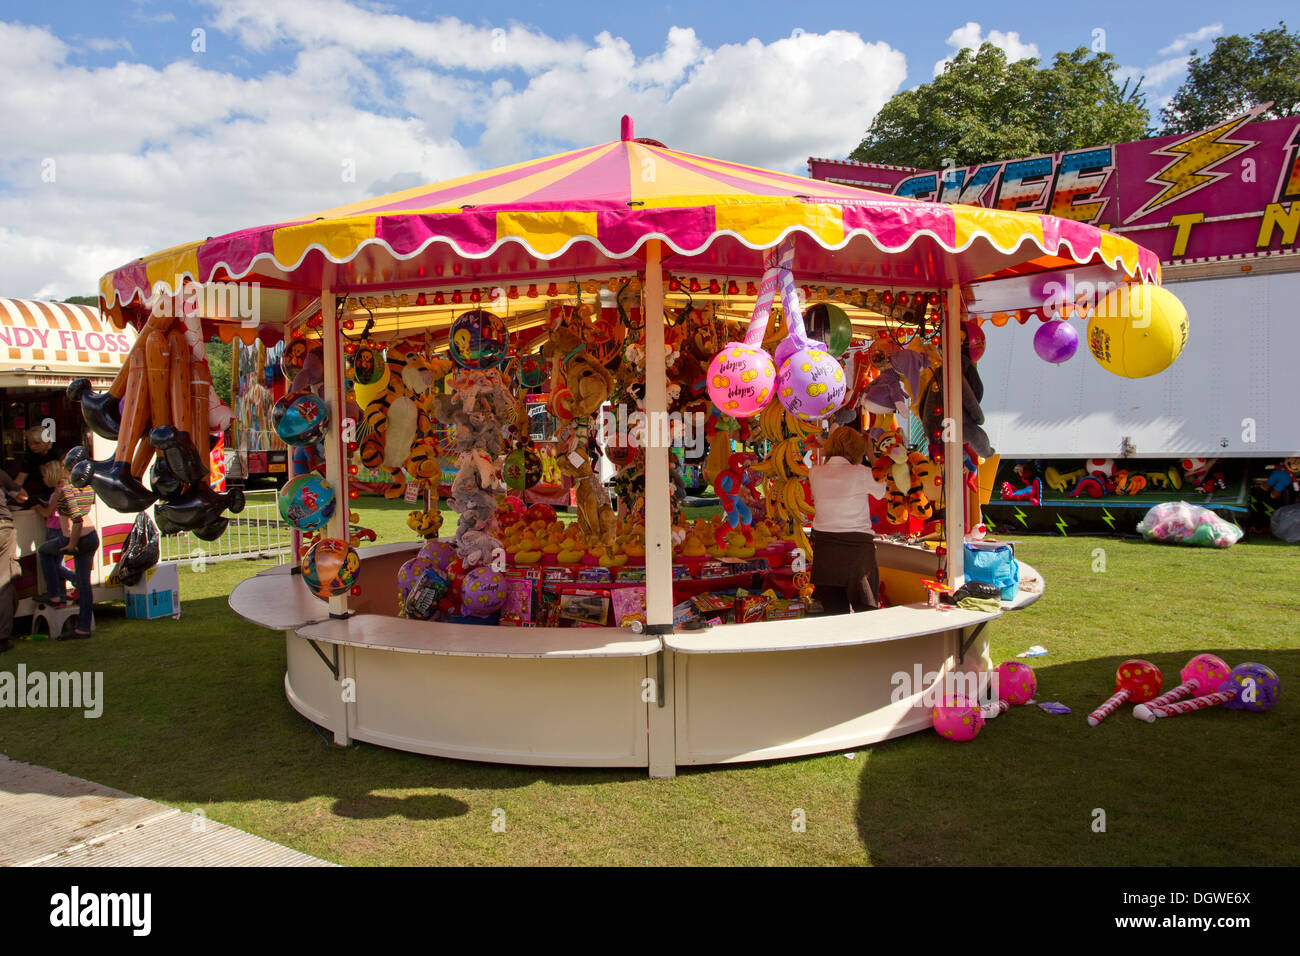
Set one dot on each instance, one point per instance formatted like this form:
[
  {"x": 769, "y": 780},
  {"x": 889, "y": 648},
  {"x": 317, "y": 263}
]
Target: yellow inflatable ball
[{"x": 1137, "y": 331}]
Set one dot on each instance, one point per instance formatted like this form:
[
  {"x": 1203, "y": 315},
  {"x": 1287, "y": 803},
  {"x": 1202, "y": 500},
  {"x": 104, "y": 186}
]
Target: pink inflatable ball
[
  {"x": 741, "y": 380},
  {"x": 1206, "y": 671},
  {"x": 483, "y": 592},
  {"x": 975, "y": 339},
  {"x": 410, "y": 572},
  {"x": 439, "y": 552},
  {"x": 1017, "y": 682},
  {"x": 1257, "y": 687},
  {"x": 960, "y": 721},
  {"x": 811, "y": 384},
  {"x": 1056, "y": 341}
]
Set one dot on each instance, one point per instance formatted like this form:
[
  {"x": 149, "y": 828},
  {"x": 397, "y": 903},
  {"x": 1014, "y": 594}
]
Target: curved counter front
[{"x": 603, "y": 696}]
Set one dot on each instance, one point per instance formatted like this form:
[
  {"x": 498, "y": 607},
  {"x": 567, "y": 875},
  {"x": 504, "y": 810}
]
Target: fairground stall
[
  {"x": 672, "y": 309},
  {"x": 44, "y": 347}
]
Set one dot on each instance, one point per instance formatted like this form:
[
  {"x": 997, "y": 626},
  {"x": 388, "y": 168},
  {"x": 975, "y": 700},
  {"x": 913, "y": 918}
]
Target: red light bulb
[
  {"x": 714, "y": 287},
  {"x": 695, "y": 285},
  {"x": 456, "y": 297},
  {"x": 552, "y": 290},
  {"x": 532, "y": 292},
  {"x": 421, "y": 299},
  {"x": 732, "y": 288},
  {"x": 513, "y": 292},
  {"x": 474, "y": 295},
  {"x": 439, "y": 298},
  {"x": 751, "y": 289}
]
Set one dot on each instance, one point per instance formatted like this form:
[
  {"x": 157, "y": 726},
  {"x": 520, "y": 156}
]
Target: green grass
[{"x": 195, "y": 717}]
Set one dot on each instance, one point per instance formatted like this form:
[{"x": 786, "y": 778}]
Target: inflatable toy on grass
[
  {"x": 1017, "y": 684},
  {"x": 1137, "y": 331},
  {"x": 1135, "y": 680},
  {"x": 1249, "y": 686},
  {"x": 960, "y": 721},
  {"x": 1202, "y": 675}
]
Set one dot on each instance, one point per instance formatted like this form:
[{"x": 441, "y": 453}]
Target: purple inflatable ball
[
  {"x": 439, "y": 552},
  {"x": 483, "y": 592},
  {"x": 411, "y": 572},
  {"x": 1257, "y": 687},
  {"x": 1056, "y": 341}
]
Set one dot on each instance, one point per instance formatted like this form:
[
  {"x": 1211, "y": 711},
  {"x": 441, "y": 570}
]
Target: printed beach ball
[
  {"x": 330, "y": 567},
  {"x": 483, "y": 592},
  {"x": 741, "y": 380},
  {"x": 960, "y": 721},
  {"x": 299, "y": 418},
  {"x": 307, "y": 502},
  {"x": 478, "y": 340},
  {"x": 1137, "y": 331},
  {"x": 811, "y": 384}
]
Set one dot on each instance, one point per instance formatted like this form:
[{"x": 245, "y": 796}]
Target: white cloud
[
  {"x": 446, "y": 42},
  {"x": 770, "y": 105},
  {"x": 105, "y": 45},
  {"x": 971, "y": 37},
  {"x": 1187, "y": 40},
  {"x": 147, "y": 156}
]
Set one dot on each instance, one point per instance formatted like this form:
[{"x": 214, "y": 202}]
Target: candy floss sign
[
  {"x": 1227, "y": 191},
  {"x": 67, "y": 340}
]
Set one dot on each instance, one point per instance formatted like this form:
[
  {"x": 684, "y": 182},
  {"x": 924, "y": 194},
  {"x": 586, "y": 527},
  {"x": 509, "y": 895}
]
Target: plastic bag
[
  {"x": 1285, "y": 524},
  {"x": 995, "y": 565},
  {"x": 1177, "y": 522},
  {"x": 139, "y": 553}
]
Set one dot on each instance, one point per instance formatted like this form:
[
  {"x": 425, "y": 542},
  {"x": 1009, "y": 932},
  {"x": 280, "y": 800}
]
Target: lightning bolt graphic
[
  {"x": 1193, "y": 158},
  {"x": 1109, "y": 518},
  {"x": 1290, "y": 187},
  {"x": 1020, "y": 515},
  {"x": 1060, "y": 523},
  {"x": 990, "y": 525}
]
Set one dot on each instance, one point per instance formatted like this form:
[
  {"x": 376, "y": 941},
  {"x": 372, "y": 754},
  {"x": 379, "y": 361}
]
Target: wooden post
[
  {"x": 336, "y": 453},
  {"x": 954, "y": 487},
  {"x": 658, "y": 521}
]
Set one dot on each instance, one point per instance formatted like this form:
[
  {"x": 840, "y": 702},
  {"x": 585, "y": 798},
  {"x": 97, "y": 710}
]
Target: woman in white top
[{"x": 844, "y": 573}]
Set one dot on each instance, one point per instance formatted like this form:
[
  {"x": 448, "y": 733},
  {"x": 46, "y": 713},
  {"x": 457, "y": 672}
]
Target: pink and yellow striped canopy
[{"x": 592, "y": 210}]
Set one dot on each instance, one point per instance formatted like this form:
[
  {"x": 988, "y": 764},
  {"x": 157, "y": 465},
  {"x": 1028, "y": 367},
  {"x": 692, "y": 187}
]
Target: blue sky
[{"x": 127, "y": 132}]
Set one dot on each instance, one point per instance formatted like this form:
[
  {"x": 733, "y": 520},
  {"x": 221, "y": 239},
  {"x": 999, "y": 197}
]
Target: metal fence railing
[{"x": 256, "y": 532}]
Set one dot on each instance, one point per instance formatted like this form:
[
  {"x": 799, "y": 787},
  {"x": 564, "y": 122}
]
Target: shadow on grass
[
  {"x": 194, "y": 713},
  {"x": 1211, "y": 788},
  {"x": 415, "y": 807}
]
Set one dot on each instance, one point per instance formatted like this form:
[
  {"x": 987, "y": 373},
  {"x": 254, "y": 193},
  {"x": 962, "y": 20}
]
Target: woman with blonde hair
[{"x": 844, "y": 573}]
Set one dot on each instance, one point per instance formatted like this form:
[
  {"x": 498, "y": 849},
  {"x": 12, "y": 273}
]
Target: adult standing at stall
[
  {"x": 844, "y": 573},
  {"x": 40, "y": 450},
  {"x": 9, "y": 569}
]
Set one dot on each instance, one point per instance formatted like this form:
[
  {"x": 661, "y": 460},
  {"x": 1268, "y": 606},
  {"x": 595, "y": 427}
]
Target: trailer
[{"x": 1222, "y": 209}]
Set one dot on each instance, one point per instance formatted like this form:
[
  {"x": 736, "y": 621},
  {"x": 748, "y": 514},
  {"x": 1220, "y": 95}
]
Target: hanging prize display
[
  {"x": 299, "y": 418},
  {"x": 478, "y": 340},
  {"x": 368, "y": 365},
  {"x": 307, "y": 502},
  {"x": 522, "y": 469},
  {"x": 1137, "y": 330},
  {"x": 810, "y": 383},
  {"x": 330, "y": 567},
  {"x": 1056, "y": 341},
  {"x": 532, "y": 371},
  {"x": 828, "y": 323}
]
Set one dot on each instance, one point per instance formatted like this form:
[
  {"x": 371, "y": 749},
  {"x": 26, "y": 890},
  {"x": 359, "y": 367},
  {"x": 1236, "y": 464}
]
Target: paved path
[{"x": 48, "y": 818}]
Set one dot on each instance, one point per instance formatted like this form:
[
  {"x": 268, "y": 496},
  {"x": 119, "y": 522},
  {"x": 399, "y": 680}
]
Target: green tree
[
  {"x": 1239, "y": 74},
  {"x": 219, "y": 366},
  {"x": 982, "y": 108},
  {"x": 90, "y": 300}
]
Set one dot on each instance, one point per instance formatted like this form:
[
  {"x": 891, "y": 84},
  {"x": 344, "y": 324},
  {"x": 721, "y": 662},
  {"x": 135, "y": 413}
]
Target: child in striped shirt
[{"x": 77, "y": 538}]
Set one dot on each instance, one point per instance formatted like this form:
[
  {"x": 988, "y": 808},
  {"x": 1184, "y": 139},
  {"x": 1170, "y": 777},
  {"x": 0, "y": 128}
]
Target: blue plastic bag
[{"x": 996, "y": 566}]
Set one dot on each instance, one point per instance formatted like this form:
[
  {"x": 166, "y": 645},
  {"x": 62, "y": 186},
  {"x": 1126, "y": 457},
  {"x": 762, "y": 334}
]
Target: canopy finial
[{"x": 626, "y": 128}]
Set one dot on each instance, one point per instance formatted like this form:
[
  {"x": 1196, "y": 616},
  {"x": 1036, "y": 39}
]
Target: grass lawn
[{"x": 195, "y": 717}]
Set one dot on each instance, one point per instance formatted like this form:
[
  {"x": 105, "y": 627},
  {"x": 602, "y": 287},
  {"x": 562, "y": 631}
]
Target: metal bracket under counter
[{"x": 332, "y": 665}]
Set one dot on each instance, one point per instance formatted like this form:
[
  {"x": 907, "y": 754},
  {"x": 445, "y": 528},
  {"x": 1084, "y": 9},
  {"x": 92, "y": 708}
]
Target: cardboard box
[{"x": 157, "y": 594}]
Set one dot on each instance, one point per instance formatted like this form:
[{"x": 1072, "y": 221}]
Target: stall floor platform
[{"x": 48, "y": 818}]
